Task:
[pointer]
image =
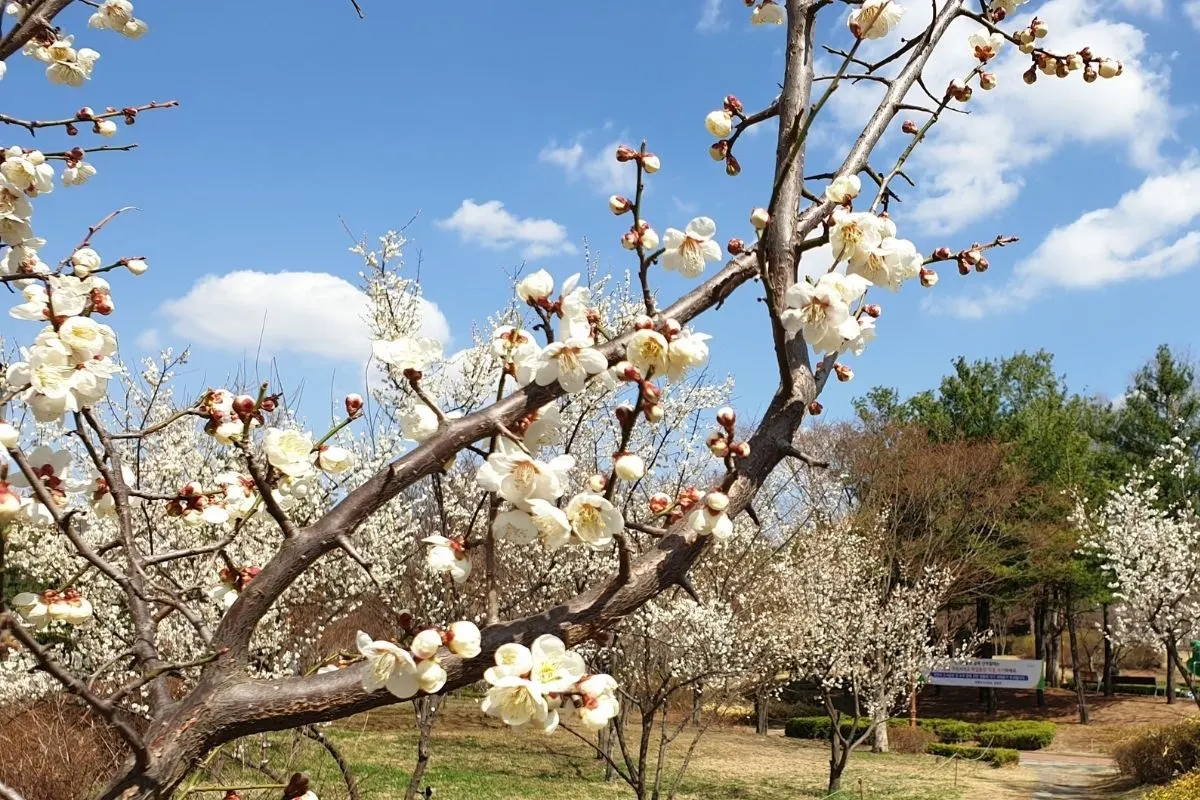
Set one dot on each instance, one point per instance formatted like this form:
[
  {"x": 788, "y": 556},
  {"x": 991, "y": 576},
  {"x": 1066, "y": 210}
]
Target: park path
[{"x": 1063, "y": 775}]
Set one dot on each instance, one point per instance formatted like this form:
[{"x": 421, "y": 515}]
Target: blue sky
[{"x": 292, "y": 121}]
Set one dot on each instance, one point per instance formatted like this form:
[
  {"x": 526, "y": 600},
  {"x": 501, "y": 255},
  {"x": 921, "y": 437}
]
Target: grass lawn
[{"x": 474, "y": 758}]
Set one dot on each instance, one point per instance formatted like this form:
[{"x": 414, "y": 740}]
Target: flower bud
[
  {"x": 873, "y": 310},
  {"x": 629, "y": 372},
  {"x": 843, "y": 372},
  {"x": 815, "y": 408},
  {"x": 982, "y": 265},
  {"x": 740, "y": 450},
  {"x": 244, "y": 404},
  {"x": 732, "y": 167},
  {"x": 1074, "y": 62},
  {"x": 659, "y": 502},
  {"x": 718, "y": 445},
  {"x": 1030, "y": 76},
  {"x": 719, "y": 123},
  {"x": 987, "y": 81},
  {"x": 655, "y": 413},
  {"x": 1039, "y": 28},
  {"x": 597, "y": 483},
  {"x": 354, "y": 404},
  {"x": 1089, "y": 74},
  {"x": 963, "y": 267},
  {"x": 426, "y": 643},
  {"x": 716, "y": 501},
  {"x": 726, "y": 417},
  {"x": 650, "y": 163},
  {"x": 760, "y": 219},
  {"x": 269, "y": 403},
  {"x": 619, "y": 205},
  {"x": 928, "y": 277},
  {"x": 735, "y": 246},
  {"x": 942, "y": 253},
  {"x": 10, "y": 502},
  {"x": 624, "y": 413},
  {"x": 910, "y": 127},
  {"x": 718, "y": 150},
  {"x": 105, "y": 127},
  {"x": 642, "y": 323},
  {"x": 733, "y": 105},
  {"x": 630, "y": 240},
  {"x": 629, "y": 467},
  {"x": 626, "y": 153},
  {"x": 1110, "y": 68},
  {"x": 649, "y": 238},
  {"x": 9, "y": 435},
  {"x": 137, "y": 266},
  {"x": 191, "y": 489},
  {"x": 1027, "y": 47},
  {"x": 671, "y": 328},
  {"x": 84, "y": 113}
]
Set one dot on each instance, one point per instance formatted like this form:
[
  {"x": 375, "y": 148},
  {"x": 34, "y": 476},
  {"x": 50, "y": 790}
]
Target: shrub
[
  {"x": 56, "y": 750},
  {"x": 996, "y": 756},
  {"x": 818, "y": 727},
  {"x": 950, "y": 731},
  {"x": 1016, "y": 734},
  {"x": 1158, "y": 754},
  {"x": 903, "y": 739},
  {"x": 1185, "y": 788}
]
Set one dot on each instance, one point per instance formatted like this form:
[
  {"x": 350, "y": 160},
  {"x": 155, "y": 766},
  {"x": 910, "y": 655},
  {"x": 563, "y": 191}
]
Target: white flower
[
  {"x": 9, "y": 436},
  {"x": 137, "y": 266},
  {"x": 543, "y": 428},
  {"x": 106, "y": 128},
  {"x": 688, "y": 251},
  {"x": 516, "y": 701},
  {"x": 594, "y": 519},
  {"x": 843, "y": 189},
  {"x": 464, "y": 639},
  {"x": 426, "y": 643},
  {"x": 32, "y": 607},
  {"x": 535, "y": 286},
  {"x": 866, "y": 335},
  {"x": 387, "y": 665},
  {"x": 688, "y": 350},
  {"x": 289, "y": 451},
  {"x": 78, "y": 174},
  {"x": 985, "y": 47},
  {"x": 707, "y": 521},
  {"x": 889, "y": 264},
  {"x": 418, "y": 423},
  {"x": 84, "y": 337},
  {"x": 518, "y": 476},
  {"x": 27, "y": 171},
  {"x": 647, "y": 352},
  {"x": 67, "y": 66},
  {"x": 516, "y": 346},
  {"x": 822, "y": 310},
  {"x": 514, "y": 526},
  {"x": 555, "y": 668},
  {"x": 855, "y": 233},
  {"x": 333, "y": 459},
  {"x": 223, "y": 593},
  {"x": 553, "y": 527},
  {"x": 719, "y": 123},
  {"x": 768, "y": 13},
  {"x": 117, "y": 15},
  {"x": 448, "y": 556},
  {"x": 570, "y": 363},
  {"x": 52, "y": 379},
  {"x": 512, "y": 660},
  {"x": 600, "y": 703},
  {"x": 629, "y": 467},
  {"x": 70, "y": 608},
  {"x": 875, "y": 19},
  {"x": 431, "y": 676},
  {"x": 21, "y": 259},
  {"x": 15, "y": 211},
  {"x": 415, "y": 353}
]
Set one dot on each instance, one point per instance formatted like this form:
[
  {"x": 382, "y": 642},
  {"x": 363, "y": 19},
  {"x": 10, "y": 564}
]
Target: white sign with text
[{"x": 1007, "y": 673}]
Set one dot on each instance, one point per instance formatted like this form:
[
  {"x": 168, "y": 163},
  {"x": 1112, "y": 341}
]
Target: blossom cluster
[{"x": 405, "y": 672}]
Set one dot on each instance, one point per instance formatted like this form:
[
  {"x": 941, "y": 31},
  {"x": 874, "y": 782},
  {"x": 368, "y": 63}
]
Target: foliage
[
  {"x": 996, "y": 756},
  {"x": 1157, "y": 755},
  {"x": 1186, "y": 787},
  {"x": 906, "y": 739},
  {"x": 1016, "y": 734}
]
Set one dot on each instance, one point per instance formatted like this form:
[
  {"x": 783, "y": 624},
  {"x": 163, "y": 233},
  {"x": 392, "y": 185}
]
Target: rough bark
[
  {"x": 1039, "y": 646},
  {"x": 1172, "y": 658},
  {"x": 1072, "y": 634},
  {"x": 1109, "y": 665}
]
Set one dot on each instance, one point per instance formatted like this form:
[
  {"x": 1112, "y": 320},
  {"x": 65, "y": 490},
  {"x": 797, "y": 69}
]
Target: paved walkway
[{"x": 1063, "y": 775}]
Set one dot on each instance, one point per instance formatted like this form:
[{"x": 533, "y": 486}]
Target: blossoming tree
[{"x": 203, "y": 526}]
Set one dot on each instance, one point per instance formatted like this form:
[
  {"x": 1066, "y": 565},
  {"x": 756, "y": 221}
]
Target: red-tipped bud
[
  {"x": 733, "y": 105},
  {"x": 815, "y": 408},
  {"x": 843, "y": 372},
  {"x": 655, "y": 413},
  {"x": 732, "y": 167},
  {"x": 735, "y": 247},
  {"x": 718, "y": 150},
  {"x": 624, "y": 413},
  {"x": 982, "y": 265},
  {"x": 659, "y": 502},
  {"x": 597, "y": 483},
  {"x": 619, "y": 205},
  {"x": 987, "y": 81},
  {"x": 650, "y": 163},
  {"x": 671, "y": 328},
  {"x": 244, "y": 405},
  {"x": 928, "y": 277},
  {"x": 191, "y": 489},
  {"x": 942, "y": 254},
  {"x": 718, "y": 445},
  {"x": 740, "y": 450},
  {"x": 626, "y": 153},
  {"x": 270, "y": 403},
  {"x": 873, "y": 310},
  {"x": 910, "y": 127},
  {"x": 643, "y": 323},
  {"x": 726, "y": 417},
  {"x": 354, "y": 404}
]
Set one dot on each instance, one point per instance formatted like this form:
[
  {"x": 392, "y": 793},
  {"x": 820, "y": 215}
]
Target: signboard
[{"x": 1008, "y": 673}]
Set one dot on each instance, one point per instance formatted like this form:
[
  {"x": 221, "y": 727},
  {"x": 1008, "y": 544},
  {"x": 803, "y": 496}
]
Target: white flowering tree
[
  {"x": 1149, "y": 548},
  {"x": 179, "y": 560},
  {"x": 864, "y": 631}
]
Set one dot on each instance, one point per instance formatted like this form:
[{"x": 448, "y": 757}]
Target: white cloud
[
  {"x": 711, "y": 20},
  {"x": 1192, "y": 10},
  {"x": 492, "y": 226},
  {"x": 1153, "y": 231},
  {"x": 1152, "y": 8},
  {"x": 977, "y": 164},
  {"x": 148, "y": 340},
  {"x": 597, "y": 167},
  {"x": 685, "y": 206},
  {"x": 291, "y": 313}
]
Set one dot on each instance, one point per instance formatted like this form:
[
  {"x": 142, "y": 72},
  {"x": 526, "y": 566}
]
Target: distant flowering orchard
[{"x": 186, "y": 561}]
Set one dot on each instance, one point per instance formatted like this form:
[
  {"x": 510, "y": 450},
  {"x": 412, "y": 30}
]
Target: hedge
[
  {"x": 950, "y": 731},
  {"x": 1016, "y": 734},
  {"x": 1186, "y": 788},
  {"x": 818, "y": 727},
  {"x": 996, "y": 756},
  {"x": 1156, "y": 755}
]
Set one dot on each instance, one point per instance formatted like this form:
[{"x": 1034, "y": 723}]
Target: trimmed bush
[
  {"x": 818, "y": 727},
  {"x": 1157, "y": 755},
  {"x": 903, "y": 739},
  {"x": 1185, "y": 788},
  {"x": 996, "y": 756},
  {"x": 951, "y": 731},
  {"x": 1016, "y": 734}
]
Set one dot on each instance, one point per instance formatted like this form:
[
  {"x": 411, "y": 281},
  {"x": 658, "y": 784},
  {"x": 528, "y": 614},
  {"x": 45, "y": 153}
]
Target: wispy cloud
[
  {"x": 596, "y": 166},
  {"x": 492, "y": 226},
  {"x": 711, "y": 19}
]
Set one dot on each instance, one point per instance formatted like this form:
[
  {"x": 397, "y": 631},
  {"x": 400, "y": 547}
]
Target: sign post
[{"x": 1008, "y": 673}]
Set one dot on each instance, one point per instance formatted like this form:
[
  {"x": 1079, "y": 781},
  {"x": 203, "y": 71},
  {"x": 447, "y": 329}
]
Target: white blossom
[{"x": 688, "y": 251}]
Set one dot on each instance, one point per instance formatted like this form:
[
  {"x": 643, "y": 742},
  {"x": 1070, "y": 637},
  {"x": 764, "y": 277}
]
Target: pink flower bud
[
  {"x": 10, "y": 502},
  {"x": 987, "y": 81},
  {"x": 726, "y": 417},
  {"x": 733, "y": 105},
  {"x": 740, "y": 450},
  {"x": 630, "y": 240},
  {"x": 659, "y": 502},
  {"x": 735, "y": 247},
  {"x": 718, "y": 150},
  {"x": 982, "y": 265},
  {"x": 243, "y": 405},
  {"x": 928, "y": 277},
  {"x": 910, "y": 127},
  {"x": 630, "y": 373},
  {"x": 1039, "y": 28},
  {"x": 354, "y": 404},
  {"x": 619, "y": 205},
  {"x": 626, "y": 153},
  {"x": 651, "y": 164},
  {"x": 874, "y": 310},
  {"x": 655, "y": 413},
  {"x": 671, "y": 328},
  {"x": 815, "y": 408},
  {"x": 718, "y": 445},
  {"x": 942, "y": 254},
  {"x": 597, "y": 483},
  {"x": 843, "y": 372},
  {"x": 191, "y": 489}
]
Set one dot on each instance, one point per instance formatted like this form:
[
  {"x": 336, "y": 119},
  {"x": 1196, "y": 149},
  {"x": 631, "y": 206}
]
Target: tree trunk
[
  {"x": 912, "y": 705},
  {"x": 697, "y": 704},
  {"x": 1053, "y": 648},
  {"x": 1171, "y": 671},
  {"x": 983, "y": 621},
  {"x": 1039, "y": 646},
  {"x": 1109, "y": 666},
  {"x": 880, "y": 743},
  {"x": 426, "y": 709},
  {"x": 837, "y": 757},
  {"x": 762, "y": 705},
  {"x": 1074, "y": 639}
]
